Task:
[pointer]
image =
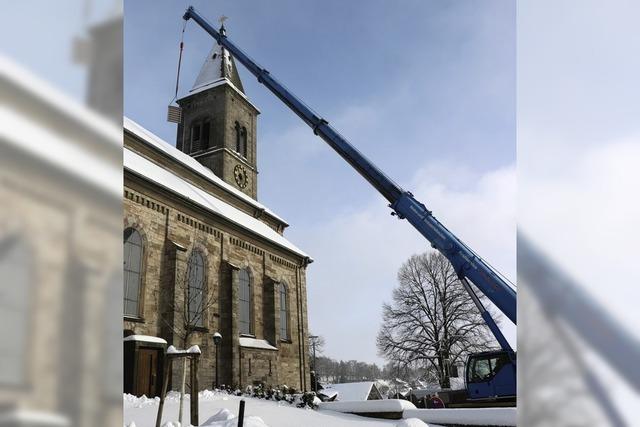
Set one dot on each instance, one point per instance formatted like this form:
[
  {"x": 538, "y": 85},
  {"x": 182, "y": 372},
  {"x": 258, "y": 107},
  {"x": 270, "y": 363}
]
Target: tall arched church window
[
  {"x": 243, "y": 142},
  {"x": 195, "y": 290},
  {"x": 244, "y": 302},
  {"x": 284, "y": 312},
  {"x": 133, "y": 250}
]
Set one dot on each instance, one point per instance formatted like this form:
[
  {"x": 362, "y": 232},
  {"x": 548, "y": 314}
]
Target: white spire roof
[{"x": 218, "y": 66}]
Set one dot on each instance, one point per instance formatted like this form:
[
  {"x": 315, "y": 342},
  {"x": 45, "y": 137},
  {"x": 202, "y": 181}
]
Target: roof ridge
[{"x": 192, "y": 164}]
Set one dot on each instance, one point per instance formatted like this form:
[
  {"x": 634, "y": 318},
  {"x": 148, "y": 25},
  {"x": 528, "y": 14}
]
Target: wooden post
[
  {"x": 165, "y": 384},
  {"x": 194, "y": 390}
]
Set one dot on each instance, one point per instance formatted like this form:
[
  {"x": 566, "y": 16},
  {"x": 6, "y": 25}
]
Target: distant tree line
[{"x": 345, "y": 371}]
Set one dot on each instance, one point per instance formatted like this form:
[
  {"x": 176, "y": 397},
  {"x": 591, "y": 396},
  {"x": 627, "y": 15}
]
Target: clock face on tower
[{"x": 240, "y": 174}]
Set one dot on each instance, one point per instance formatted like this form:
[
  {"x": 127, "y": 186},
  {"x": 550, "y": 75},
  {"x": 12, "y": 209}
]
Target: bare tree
[
  {"x": 319, "y": 342},
  {"x": 189, "y": 306},
  {"x": 192, "y": 300},
  {"x": 431, "y": 321}
]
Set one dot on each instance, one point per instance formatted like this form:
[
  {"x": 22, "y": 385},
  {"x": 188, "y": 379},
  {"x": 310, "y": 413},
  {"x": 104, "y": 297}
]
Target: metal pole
[
  {"x": 217, "y": 363},
  {"x": 315, "y": 369},
  {"x": 241, "y": 414}
]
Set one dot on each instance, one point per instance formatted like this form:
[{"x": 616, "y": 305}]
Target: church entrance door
[{"x": 147, "y": 372}]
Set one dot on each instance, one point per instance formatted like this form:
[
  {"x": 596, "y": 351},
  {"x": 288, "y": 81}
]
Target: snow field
[{"x": 218, "y": 409}]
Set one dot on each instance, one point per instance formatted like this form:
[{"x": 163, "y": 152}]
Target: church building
[{"x": 202, "y": 255}]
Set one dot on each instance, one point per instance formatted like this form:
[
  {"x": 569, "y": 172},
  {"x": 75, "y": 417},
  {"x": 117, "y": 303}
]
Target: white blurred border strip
[
  {"x": 29, "y": 137},
  {"x": 29, "y": 82}
]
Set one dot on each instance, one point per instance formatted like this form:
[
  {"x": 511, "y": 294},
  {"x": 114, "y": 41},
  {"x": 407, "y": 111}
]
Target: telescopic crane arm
[{"x": 403, "y": 204}]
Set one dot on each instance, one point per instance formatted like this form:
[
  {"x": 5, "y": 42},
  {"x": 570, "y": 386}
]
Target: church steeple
[
  {"x": 218, "y": 65},
  {"x": 219, "y": 123}
]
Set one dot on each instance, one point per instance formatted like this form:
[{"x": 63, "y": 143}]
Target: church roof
[
  {"x": 158, "y": 143},
  {"x": 171, "y": 181}
]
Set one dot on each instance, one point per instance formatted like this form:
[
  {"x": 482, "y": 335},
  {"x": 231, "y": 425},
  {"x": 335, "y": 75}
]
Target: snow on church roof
[
  {"x": 151, "y": 139},
  {"x": 172, "y": 182}
]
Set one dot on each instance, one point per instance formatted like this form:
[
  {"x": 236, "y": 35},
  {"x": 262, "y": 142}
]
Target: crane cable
[{"x": 179, "y": 61}]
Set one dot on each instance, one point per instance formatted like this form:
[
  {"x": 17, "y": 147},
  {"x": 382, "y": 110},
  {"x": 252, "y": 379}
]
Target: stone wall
[{"x": 171, "y": 230}]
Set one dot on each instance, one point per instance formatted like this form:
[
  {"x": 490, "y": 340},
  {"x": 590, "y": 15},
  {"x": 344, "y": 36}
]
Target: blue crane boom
[
  {"x": 465, "y": 262},
  {"x": 490, "y": 375}
]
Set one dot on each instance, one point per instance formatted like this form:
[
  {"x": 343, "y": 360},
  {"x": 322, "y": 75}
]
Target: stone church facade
[{"x": 202, "y": 255}]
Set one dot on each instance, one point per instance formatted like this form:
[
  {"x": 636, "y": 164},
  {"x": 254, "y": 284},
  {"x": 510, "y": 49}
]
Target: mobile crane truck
[{"x": 490, "y": 375}]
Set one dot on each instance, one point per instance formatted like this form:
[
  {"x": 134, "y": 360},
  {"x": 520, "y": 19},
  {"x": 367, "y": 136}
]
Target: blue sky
[{"x": 425, "y": 89}]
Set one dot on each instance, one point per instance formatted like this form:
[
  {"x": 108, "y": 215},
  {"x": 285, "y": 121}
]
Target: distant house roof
[{"x": 351, "y": 391}]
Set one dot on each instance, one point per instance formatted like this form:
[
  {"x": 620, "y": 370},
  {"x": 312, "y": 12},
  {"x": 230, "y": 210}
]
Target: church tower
[{"x": 219, "y": 123}]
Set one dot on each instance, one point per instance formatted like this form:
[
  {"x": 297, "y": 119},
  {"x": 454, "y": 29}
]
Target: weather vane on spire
[{"x": 222, "y": 19}]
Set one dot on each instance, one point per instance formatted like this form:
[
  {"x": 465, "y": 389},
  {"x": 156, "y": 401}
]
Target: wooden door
[{"x": 147, "y": 371}]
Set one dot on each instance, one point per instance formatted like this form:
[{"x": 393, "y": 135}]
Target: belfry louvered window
[
  {"x": 243, "y": 142},
  {"x": 200, "y": 135}
]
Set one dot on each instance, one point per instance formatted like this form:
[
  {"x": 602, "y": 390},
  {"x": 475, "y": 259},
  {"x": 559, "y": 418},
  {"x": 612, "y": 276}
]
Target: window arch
[
  {"x": 284, "y": 311},
  {"x": 244, "y": 302},
  {"x": 195, "y": 289},
  {"x": 133, "y": 251}
]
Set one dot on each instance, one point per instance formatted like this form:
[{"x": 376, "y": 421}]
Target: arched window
[
  {"x": 195, "y": 290},
  {"x": 244, "y": 302},
  {"x": 237, "y": 129},
  {"x": 243, "y": 142},
  {"x": 284, "y": 312},
  {"x": 133, "y": 250}
]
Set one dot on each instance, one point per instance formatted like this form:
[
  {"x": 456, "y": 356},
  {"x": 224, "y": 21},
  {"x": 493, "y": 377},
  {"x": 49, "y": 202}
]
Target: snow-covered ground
[{"x": 221, "y": 409}]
